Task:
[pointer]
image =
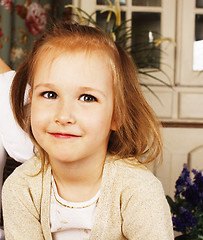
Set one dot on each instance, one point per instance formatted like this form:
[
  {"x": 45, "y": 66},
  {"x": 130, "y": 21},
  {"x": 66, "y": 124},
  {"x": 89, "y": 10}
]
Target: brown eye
[
  {"x": 49, "y": 95},
  {"x": 88, "y": 98}
]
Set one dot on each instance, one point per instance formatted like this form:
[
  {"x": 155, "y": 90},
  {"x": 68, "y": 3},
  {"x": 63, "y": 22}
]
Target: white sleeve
[{"x": 15, "y": 141}]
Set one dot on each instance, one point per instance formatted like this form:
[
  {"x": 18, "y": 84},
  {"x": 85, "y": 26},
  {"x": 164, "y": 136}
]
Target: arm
[
  {"x": 2, "y": 165},
  {"x": 15, "y": 141},
  {"x": 4, "y": 67},
  {"x": 147, "y": 216}
]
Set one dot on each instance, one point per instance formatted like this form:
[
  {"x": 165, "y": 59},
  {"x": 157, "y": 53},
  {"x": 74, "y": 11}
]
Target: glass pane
[
  {"x": 146, "y": 2},
  {"x": 199, "y": 3},
  {"x": 104, "y": 2},
  {"x": 145, "y": 29},
  {"x": 199, "y": 27},
  {"x": 110, "y": 26},
  {"x": 198, "y": 44}
]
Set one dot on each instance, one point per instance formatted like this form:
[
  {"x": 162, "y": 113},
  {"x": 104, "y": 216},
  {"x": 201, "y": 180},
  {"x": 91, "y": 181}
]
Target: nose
[{"x": 65, "y": 113}]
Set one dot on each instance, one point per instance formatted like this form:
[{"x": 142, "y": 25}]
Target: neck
[{"x": 78, "y": 181}]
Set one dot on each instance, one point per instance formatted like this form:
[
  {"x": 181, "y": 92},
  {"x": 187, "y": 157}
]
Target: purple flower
[
  {"x": 191, "y": 195},
  {"x": 198, "y": 179},
  {"x": 185, "y": 220},
  {"x": 183, "y": 181},
  {"x": 188, "y": 219},
  {"x": 187, "y": 207},
  {"x": 178, "y": 224}
]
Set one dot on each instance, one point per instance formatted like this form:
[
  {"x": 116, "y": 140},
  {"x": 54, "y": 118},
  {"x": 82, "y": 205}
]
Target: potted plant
[
  {"x": 121, "y": 32},
  {"x": 187, "y": 206}
]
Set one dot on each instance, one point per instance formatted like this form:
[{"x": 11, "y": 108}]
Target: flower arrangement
[{"x": 187, "y": 206}]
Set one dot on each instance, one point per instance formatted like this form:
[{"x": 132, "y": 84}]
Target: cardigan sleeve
[
  {"x": 21, "y": 211},
  {"x": 146, "y": 215}
]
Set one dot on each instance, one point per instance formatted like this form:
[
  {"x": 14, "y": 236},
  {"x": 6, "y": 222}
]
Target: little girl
[{"x": 91, "y": 127}]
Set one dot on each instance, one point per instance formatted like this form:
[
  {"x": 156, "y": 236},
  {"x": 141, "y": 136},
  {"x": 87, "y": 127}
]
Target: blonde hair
[{"x": 137, "y": 129}]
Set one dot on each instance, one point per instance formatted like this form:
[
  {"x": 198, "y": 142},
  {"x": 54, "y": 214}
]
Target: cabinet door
[
  {"x": 181, "y": 145},
  {"x": 190, "y": 43},
  {"x": 150, "y": 20}
]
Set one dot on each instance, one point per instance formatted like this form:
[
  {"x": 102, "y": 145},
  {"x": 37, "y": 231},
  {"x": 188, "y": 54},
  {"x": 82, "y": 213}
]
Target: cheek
[
  {"x": 35, "y": 124},
  {"x": 99, "y": 123},
  {"x": 39, "y": 111},
  {"x": 38, "y": 118},
  {"x": 35, "y": 114}
]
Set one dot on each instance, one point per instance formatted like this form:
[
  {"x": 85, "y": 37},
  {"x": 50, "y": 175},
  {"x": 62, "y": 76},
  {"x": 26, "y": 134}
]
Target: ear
[
  {"x": 113, "y": 123},
  {"x": 30, "y": 94}
]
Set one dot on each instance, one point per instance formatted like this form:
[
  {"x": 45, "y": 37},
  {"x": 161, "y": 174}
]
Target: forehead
[
  {"x": 51, "y": 56},
  {"x": 84, "y": 68}
]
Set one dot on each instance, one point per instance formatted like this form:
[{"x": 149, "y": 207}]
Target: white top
[
  {"x": 70, "y": 220},
  {"x": 14, "y": 140}
]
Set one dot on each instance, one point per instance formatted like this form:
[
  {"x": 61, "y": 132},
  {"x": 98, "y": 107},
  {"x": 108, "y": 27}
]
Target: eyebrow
[
  {"x": 44, "y": 85},
  {"x": 93, "y": 89},
  {"x": 50, "y": 85}
]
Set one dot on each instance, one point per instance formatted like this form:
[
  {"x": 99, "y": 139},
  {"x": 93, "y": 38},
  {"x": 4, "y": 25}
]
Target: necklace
[{"x": 68, "y": 206}]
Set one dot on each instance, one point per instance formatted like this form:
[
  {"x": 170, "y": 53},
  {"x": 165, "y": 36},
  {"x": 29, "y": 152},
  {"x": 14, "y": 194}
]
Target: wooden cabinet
[
  {"x": 180, "y": 107},
  {"x": 150, "y": 20},
  {"x": 181, "y": 21},
  {"x": 181, "y": 145},
  {"x": 190, "y": 33},
  {"x": 183, "y": 103}
]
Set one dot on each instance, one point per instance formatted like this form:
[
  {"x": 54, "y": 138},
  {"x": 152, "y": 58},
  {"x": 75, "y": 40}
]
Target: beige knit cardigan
[{"x": 132, "y": 204}]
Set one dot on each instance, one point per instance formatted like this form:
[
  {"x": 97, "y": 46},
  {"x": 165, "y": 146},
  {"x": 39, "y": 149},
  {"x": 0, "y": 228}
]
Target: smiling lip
[{"x": 64, "y": 135}]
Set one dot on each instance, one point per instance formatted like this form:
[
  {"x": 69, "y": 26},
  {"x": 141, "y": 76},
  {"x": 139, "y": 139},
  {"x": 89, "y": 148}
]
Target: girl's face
[{"x": 72, "y": 106}]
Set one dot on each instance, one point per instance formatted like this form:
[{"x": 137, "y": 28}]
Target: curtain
[{"x": 22, "y": 21}]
